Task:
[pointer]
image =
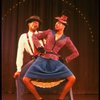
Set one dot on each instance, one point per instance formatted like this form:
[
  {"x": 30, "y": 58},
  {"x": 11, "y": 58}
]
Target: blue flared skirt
[{"x": 43, "y": 68}]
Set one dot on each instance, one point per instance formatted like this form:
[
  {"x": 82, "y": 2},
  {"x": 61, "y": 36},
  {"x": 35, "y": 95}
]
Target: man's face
[
  {"x": 59, "y": 26},
  {"x": 34, "y": 25}
]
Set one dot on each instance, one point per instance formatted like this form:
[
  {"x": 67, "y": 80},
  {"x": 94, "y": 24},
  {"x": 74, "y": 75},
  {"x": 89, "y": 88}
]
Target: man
[
  {"x": 26, "y": 45},
  {"x": 48, "y": 67}
]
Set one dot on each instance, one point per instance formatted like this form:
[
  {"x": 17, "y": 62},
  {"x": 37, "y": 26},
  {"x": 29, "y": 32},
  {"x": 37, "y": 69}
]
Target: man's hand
[{"x": 16, "y": 74}]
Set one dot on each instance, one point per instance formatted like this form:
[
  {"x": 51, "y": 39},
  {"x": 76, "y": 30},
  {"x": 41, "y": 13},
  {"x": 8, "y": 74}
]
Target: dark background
[{"x": 82, "y": 29}]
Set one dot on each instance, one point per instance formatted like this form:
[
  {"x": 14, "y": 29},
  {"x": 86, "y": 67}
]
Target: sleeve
[
  {"x": 73, "y": 50},
  {"x": 39, "y": 36},
  {"x": 20, "y": 53}
]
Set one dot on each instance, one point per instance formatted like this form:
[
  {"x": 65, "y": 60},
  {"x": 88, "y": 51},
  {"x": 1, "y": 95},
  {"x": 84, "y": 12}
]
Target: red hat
[{"x": 62, "y": 19}]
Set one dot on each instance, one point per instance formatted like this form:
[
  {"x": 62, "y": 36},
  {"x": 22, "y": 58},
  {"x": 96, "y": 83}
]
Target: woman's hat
[
  {"x": 33, "y": 18},
  {"x": 62, "y": 19}
]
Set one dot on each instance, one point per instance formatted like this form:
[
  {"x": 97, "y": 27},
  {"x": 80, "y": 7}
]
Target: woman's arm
[{"x": 73, "y": 50}]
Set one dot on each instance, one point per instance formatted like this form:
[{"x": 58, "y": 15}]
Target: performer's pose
[
  {"x": 48, "y": 68},
  {"x": 25, "y": 45}
]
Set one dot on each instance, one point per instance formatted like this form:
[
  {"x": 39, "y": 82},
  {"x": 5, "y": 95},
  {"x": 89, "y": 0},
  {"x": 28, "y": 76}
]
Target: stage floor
[{"x": 30, "y": 97}]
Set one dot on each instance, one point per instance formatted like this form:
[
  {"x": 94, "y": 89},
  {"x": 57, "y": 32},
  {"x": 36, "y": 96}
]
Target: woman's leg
[
  {"x": 31, "y": 87},
  {"x": 68, "y": 85}
]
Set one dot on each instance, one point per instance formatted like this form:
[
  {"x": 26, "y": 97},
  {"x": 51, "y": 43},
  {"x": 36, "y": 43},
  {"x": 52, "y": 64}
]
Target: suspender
[{"x": 29, "y": 43}]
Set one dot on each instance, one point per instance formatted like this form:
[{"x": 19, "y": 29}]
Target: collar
[{"x": 31, "y": 33}]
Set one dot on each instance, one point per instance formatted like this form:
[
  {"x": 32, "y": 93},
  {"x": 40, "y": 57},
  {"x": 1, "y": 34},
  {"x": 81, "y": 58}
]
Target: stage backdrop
[{"x": 82, "y": 29}]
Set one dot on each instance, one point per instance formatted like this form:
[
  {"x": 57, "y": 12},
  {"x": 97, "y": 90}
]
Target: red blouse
[{"x": 52, "y": 47}]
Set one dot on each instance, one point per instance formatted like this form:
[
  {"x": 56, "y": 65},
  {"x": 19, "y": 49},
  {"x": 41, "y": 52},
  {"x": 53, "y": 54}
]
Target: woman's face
[{"x": 59, "y": 26}]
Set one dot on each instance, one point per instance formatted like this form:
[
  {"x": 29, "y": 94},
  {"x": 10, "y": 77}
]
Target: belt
[{"x": 46, "y": 52}]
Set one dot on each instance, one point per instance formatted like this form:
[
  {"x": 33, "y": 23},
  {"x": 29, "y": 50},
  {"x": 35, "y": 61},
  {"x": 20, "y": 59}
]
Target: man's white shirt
[{"x": 22, "y": 46}]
